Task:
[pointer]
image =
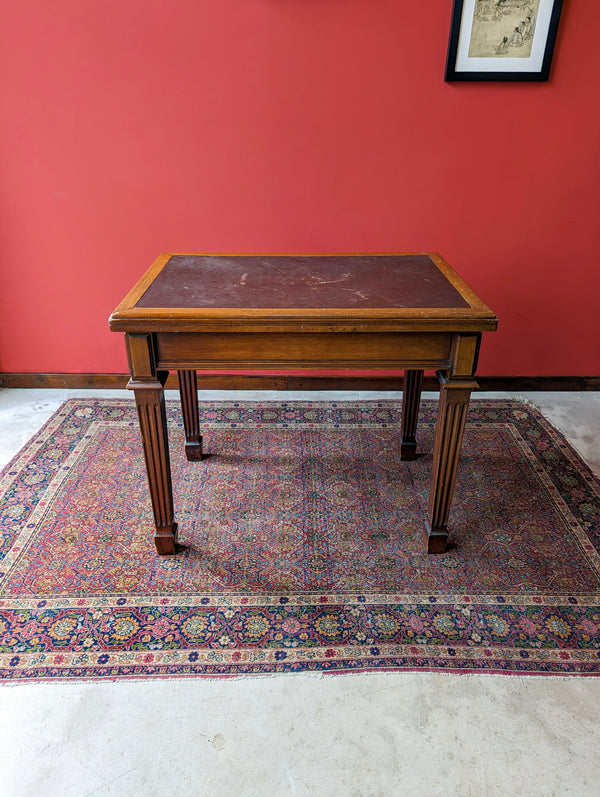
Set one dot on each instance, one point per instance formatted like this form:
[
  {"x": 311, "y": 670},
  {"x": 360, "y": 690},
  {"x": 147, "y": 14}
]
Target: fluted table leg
[
  {"x": 452, "y": 416},
  {"x": 456, "y": 387},
  {"x": 411, "y": 399},
  {"x": 150, "y": 403},
  {"x": 188, "y": 391}
]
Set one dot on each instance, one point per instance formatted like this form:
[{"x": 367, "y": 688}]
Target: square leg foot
[
  {"x": 165, "y": 541},
  {"x": 436, "y": 540},
  {"x": 408, "y": 451},
  {"x": 193, "y": 452}
]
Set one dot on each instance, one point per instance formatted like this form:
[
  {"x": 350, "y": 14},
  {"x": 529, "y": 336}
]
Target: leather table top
[{"x": 301, "y": 281}]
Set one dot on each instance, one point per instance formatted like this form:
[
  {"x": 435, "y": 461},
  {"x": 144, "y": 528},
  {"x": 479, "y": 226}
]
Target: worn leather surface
[{"x": 286, "y": 281}]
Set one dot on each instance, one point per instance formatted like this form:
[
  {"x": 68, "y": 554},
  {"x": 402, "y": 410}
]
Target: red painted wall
[{"x": 131, "y": 127}]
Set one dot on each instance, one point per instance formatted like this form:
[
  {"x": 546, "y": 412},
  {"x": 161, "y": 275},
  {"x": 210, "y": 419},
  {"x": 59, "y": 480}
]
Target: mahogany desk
[{"x": 285, "y": 312}]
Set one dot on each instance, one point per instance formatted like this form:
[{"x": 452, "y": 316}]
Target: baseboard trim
[{"x": 295, "y": 382}]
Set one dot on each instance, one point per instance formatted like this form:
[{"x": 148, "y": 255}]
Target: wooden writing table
[{"x": 286, "y": 312}]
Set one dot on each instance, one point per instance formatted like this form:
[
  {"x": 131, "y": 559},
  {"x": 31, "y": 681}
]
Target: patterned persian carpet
[{"x": 301, "y": 547}]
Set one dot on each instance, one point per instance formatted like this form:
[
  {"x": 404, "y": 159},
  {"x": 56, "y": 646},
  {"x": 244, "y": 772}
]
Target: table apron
[{"x": 430, "y": 350}]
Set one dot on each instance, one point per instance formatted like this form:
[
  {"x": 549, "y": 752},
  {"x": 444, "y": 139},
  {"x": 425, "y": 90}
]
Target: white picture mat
[{"x": 532, "y": 64}]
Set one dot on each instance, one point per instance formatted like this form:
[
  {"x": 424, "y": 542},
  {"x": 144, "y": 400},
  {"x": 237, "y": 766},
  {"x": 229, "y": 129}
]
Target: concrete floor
[{"x": 364, "y": 735}]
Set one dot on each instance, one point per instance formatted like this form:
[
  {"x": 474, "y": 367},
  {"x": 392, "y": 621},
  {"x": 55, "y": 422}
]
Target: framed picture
[{"x": 502, "y": 39}]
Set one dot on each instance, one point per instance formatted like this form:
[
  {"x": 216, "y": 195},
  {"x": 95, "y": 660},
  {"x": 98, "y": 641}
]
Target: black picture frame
[{"x": 472, "y": 54}]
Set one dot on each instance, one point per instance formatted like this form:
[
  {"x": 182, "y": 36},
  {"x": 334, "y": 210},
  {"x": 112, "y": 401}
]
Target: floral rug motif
[{"x": 301, "y": 547}]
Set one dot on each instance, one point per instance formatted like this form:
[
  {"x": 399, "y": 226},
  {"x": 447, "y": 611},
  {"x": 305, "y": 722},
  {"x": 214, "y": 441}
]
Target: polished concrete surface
[{"x": 361, "y": 735}]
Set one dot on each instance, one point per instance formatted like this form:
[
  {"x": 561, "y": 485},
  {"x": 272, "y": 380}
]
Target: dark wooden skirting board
[{"x": 295, "y": 382}]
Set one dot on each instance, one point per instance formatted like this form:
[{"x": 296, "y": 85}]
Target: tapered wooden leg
[
  {"x": 150, "y": 403},
  {"x": 188, "y": 391},
  {"x": 411, "y": 399},
  {"x": 452, "y": 415}
]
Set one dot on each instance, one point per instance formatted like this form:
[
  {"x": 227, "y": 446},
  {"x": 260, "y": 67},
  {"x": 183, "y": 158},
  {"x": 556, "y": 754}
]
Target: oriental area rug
[{"x": 301, "y": 547}]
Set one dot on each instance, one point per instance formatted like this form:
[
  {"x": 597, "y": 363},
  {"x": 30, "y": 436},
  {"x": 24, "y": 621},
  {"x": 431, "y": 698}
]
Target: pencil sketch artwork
[{"x": 503, "y": 28}]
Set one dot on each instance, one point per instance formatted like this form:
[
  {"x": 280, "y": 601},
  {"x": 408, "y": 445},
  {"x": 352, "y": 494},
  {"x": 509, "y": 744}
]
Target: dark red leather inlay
[{"x": 286, "y": 281}]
